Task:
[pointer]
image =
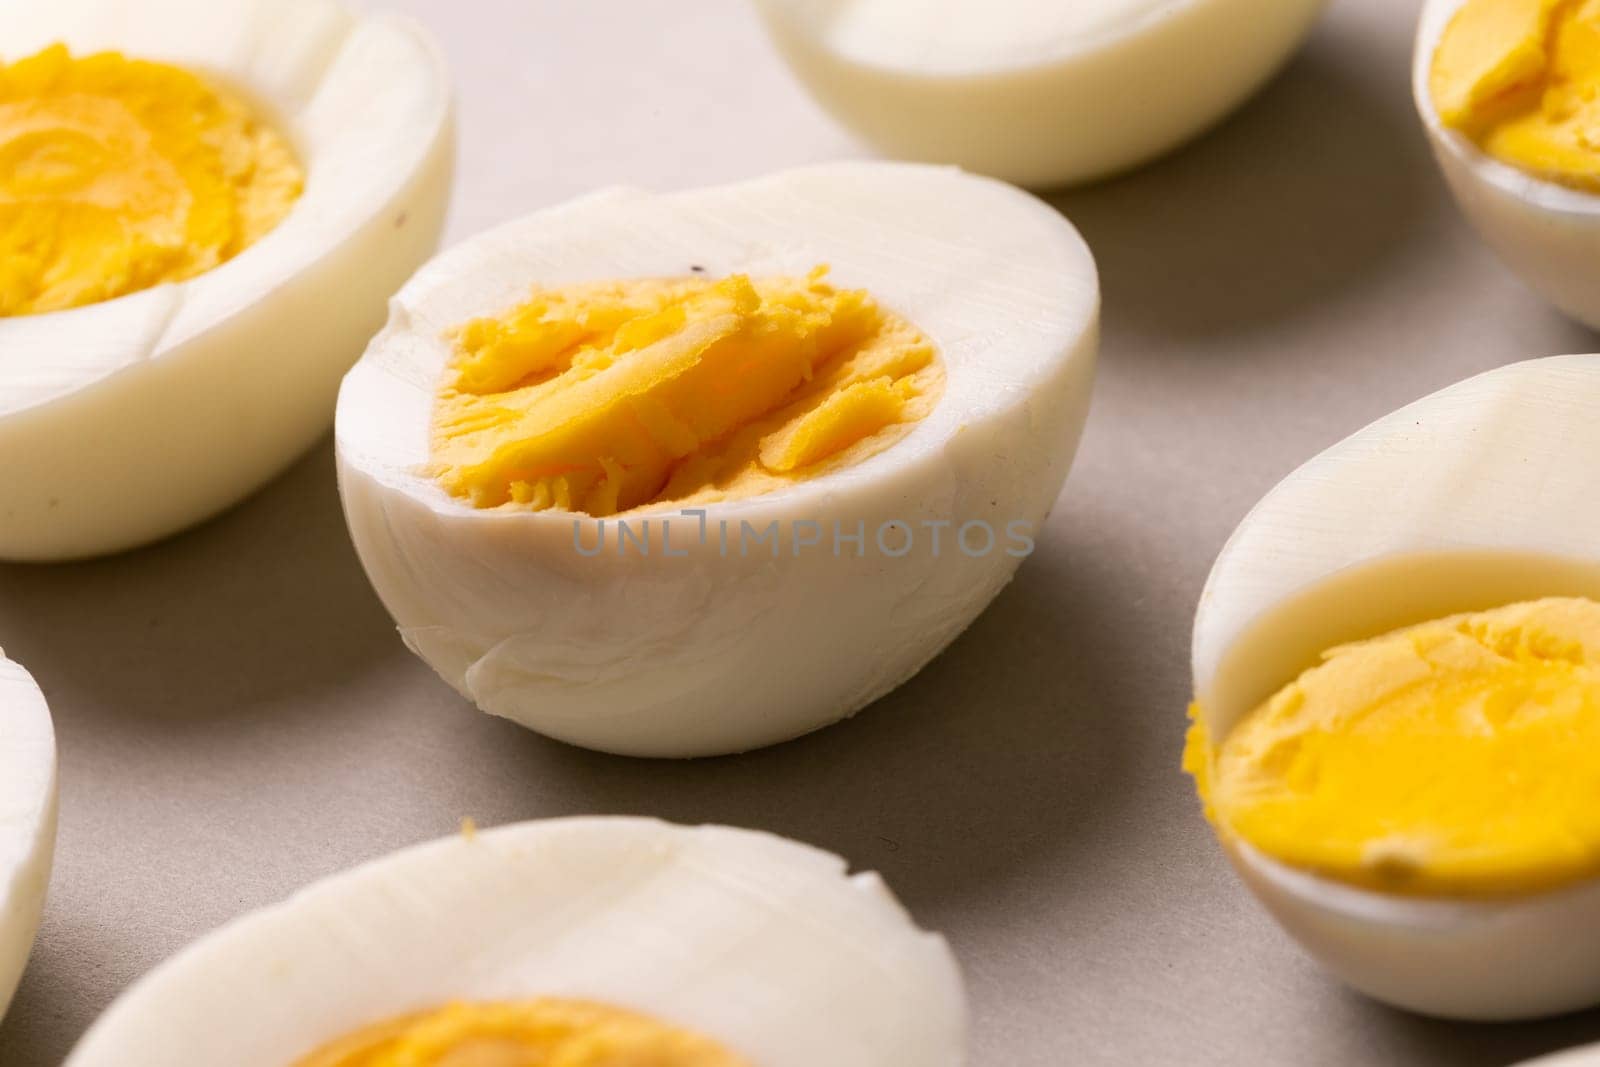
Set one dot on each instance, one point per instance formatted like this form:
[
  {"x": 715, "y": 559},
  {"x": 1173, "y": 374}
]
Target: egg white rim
[
  {"x": 1077, "y": 49},
  {"x": 1418, "y": 911},
  {"x": 154, "y": 319},
  {"x": 1540, "y": 192},
  {"x": 930, "y": 434}
]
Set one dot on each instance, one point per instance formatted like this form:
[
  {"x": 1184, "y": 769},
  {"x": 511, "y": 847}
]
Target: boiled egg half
[
  {"x": 684, "y": 474},
  {"x": 585, "y": 942},
  {"x": 204, "y": 205},
  {"x": 27, "y": 818},
  {"x": 1034, "y": 91},
  {"x": 1397, "y": 695},
  {"x": 1509, "y": 93}
]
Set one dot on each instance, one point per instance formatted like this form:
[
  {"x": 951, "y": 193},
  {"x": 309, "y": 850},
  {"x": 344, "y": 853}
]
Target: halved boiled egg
[
  {"x": 1035, "y": 91},
  {"x": 1507, "y": 91},
  {"x": 1397, "y": 687},
  {"x": 27, "y": 818},
  {"x": 204, "y": 206},
  {"x": 582, "y": 942},
  {"x": 685, "y": 474}
]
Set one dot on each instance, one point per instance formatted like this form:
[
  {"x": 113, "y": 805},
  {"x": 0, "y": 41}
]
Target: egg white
[
  {"x": 718, "y": 651},
  {"x": 124, "y": 421},
  {"x": 1547, "y": 233},
  {"x": 1481, "y": 494},
  {"x": 27, "y": 818},
  {"x": 1036, "y": 93},
  {"x": 762, "y": 944}
]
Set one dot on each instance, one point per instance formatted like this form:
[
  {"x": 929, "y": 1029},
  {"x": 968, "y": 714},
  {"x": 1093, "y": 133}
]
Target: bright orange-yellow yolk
[
  {"x": 606, "y": 397},
  {"x": 118, "y": 174},
  {"x": 1456, "y": 758},
  {"x": 537, "y": 1033},
  {"x": 1522, "y": 78}
]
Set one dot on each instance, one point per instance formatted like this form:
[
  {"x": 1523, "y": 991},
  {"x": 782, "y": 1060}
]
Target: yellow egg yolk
[
  {"x": 118, "y": 174},
  {"x": 536, "y": 1033},
  {"x": 606, "y": 397},
  {"x": 1456, "y": 758},
  {"x": 1522, "y": 79}
]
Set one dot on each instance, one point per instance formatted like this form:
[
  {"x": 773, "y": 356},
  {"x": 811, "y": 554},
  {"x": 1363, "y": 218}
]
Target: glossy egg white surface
[
  {"x": 767, "y": 946},
  {"x": 124, "y": 421},
  {"x": 27, "y": 818},
  {"x": 726, "y": 649},
  {"x": 1482, "y": 494},
  {"x": 1547, "y": 233},
  {"x": 1035, "y": 91}
]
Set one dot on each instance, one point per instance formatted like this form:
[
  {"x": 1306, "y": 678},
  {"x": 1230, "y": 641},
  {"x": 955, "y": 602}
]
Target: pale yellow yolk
[
  {"x": 119, "y": 174},
  {"x": 1456, "y": 758},
  {"x": 537, "y": 1033},
  {"x": 605, "y": 397},
  {"x": 1522, "y": 79}
]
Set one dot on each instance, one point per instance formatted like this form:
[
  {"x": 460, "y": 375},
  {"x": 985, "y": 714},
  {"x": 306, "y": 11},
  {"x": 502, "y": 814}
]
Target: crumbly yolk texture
[
  {"x": 536, "y": 1033},
  {"x": 601, "y": 398},
  {"x": 118, "y": 174},
  {"x": 1522, "y": 79},
  {"x": 1456, "y": 758}
]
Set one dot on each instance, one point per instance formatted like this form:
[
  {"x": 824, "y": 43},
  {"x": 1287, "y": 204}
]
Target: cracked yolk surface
[
  {"x": 537, "y": 1033},
  {"x": 1522, "y": 79},
  {"x": 119, "y": 174},
  {"x": 1459, "y": 757},
  {"x": 605, "y": 397}
]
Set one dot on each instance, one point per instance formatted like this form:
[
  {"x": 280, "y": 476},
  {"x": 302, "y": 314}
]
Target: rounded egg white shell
[
  {"x": 124, "y": 421},
  {"x": 710, "y": 652},
  {"x": 27, "y": 818},
  {"x": 1106, "y": 104},
  {"x": 1481, "y": 494},
  {"x": 1548, "y": 234},
  {"x": 760, "y": 943}
]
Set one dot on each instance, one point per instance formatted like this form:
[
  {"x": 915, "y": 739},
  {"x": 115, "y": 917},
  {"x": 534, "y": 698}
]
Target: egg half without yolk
[
  {"x": 1456, "y": 758},
  {"x": 119, "y": 174},
  {"x": 537, "y": 1033},
  {"x": 1521, "y": 78},
  {"x": 604, "y": 397}
]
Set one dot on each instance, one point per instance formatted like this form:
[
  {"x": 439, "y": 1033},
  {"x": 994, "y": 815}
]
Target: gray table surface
[{"x": 237, "y": 717}]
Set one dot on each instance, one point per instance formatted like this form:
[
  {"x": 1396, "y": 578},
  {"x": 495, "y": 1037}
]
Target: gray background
[{"x": 237, "y": 717}]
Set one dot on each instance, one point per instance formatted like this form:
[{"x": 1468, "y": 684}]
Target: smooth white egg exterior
[
  {"x": 1481, "y": 494},
  {"x": 716, "y": 651},
  {"x": 1548, "y": 234},
  {"x": 125, "y": 421},
  {"x": 27, "y": 818},
  {"x": 1103, "y": 105},
  {"x": 763, "y": 944}
]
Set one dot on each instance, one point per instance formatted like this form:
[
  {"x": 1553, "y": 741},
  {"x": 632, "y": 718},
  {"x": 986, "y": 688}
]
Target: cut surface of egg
[
  {"x": 1454, "y": 622},
  {"x": 27, "y": 818},
  {"x": 686, "y": 474},
  {"x": 1507, "y": 92},
  {"x": 203, "y": 208},
  {"x": 1033, "y": 91},
  {"x": 604, "y": 940}
]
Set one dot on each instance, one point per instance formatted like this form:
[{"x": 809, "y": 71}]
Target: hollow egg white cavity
[
  {"x": 725, "y": 647},
  {"x": 127, "y": 420},
  {"x": 1035, "y": 91},
  {"x": 27, "y": 818},
  {"x": 1547, "y": 233},
  {"x": 1482, "y": 494},
  {"x": 762, "y": 944}
]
